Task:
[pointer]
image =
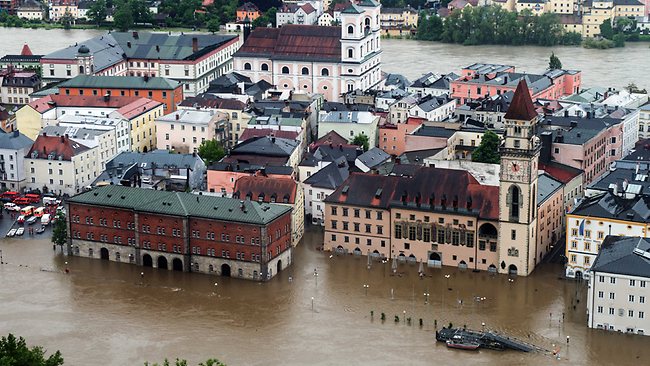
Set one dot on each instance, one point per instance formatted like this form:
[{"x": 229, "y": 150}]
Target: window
[
  {"x": 247, "y": 66},
  {"x": 641, "y": 299},
  {"x": 632, "y": 283},
  {"x": 350, "y": 53},
  {"x": 346, "y": 225},
  {"x": 333, "y": 224},
  {"x": 611, "y": 311},
  {"x": 630, "y": 298},
  {"x": 612, "y": 296},
  {"x": 285, "y": 70},
  {"x": 600, "y": 310},
  {"x": 350, "y": 29},
  {"x": 304, "y": 71},
  {"x": 641, "y": 314},
  {"x": 398, "y": 231},
  {"x": 612, "y": 280},
  {"x": 601, "y": 294},
  {"x": 325, "y": 72},
  {"x": 345, "y": 211},
  {"x": 411, "y": 232},
  {"x": 368, "y": 227},
  {"x": 601, "y": 278},
  {"x": 356, "y": 226},
  {"x": 265, "y": 67},
  {"x": 513, "y": 199},
  {"x": 513, "y": 234},
  {"x": 333, "y": 210},
  {"x": 630, "y": 313}
]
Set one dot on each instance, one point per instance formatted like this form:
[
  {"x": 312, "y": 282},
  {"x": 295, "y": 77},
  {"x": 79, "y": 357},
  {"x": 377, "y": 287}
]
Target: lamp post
[
  {"x": 404, "y": 312},
  {"x": 426, "y": 298},
  {"x": 1, "y": 260},
  {"x": 316, "y": 276},
  {"x": 67, "y": 270},
  {"x": 447, "y": 277},
  {"x": 366, "y": 286},
  {"x": 215, "y": 288},
  {"x": 141, "y": 278},
  {"x": 312, "y": 304}
]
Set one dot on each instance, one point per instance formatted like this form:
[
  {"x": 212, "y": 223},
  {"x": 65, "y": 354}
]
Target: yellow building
[
  {"x": 537, "y": 7},
  {"x": 391, "y": 18},
  {"x": 598, "y": 12},
  {"x": 508, "y": 5},
  {"x": 141, "y": 115},
  {"x": 562, "y": 6}
]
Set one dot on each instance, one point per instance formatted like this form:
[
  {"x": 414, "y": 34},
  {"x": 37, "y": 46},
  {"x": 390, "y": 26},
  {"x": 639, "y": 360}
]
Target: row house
[
  {"x": 432, "y": 84},
  {"x": 186, "y": 129},
  {"x": 181, "y": 231},
  {"x": 193, "y": 60},
  {"x": 275, "y": 190},
  {"x": 60, "y": 165},
  {"x": 15, "y": 87},
  {"x": 235, "y": 109},
  {"x": 296, "y": 14},
  {"x": 103, "y": 141},
  {"x": 350, "y": 125},
  {"x": 221, "y": 176}
]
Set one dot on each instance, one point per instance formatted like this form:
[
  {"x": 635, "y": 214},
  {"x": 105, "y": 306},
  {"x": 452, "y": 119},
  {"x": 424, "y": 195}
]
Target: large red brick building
[{"x": 181, "y": 231}]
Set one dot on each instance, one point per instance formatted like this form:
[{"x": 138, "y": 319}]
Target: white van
[
  {"x": 50, "y": 201},
  {"x": 45, "y": 220}
]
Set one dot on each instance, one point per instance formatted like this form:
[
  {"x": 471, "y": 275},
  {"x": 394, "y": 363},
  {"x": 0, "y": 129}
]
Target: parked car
[
  {"x": 21, "y": 201},
  {"x": 33, "y": 198},
  {"x": 51, "y": 201},
  {"x": 11, "y": 233},
  {"x": 20, "y": 231},
  {"x": 40, "y": 230},
  {"x": 10, "y": 206},
  {"x": 9, "y": 196},
  {"x": 32, "y": 220},
  {"x": 45, "y": 220}
]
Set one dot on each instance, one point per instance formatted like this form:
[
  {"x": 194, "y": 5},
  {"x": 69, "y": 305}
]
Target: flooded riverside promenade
[{"x": 106, "y": 313}]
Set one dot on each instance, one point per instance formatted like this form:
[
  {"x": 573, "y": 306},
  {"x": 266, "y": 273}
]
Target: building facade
[
  {"x": 181, "y": 231},
  {"x": 13, "y": 148},
  {"x": 327, "y": 60}
]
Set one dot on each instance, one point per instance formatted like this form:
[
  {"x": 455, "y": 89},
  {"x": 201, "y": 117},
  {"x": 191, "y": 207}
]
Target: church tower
[
  {"x": 518, "y": 186},
  {"x": 360, "y": 45}
]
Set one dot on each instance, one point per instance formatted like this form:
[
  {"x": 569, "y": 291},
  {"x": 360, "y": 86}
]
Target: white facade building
[
  {"x": 184, "y": 130},
  {"x": 349, "y": 125},
  {"x": 619, "y": 286},
  {"x": 13, "y": 147}
]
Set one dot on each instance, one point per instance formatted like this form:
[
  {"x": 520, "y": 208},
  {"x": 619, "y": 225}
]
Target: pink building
[
  {"x": 222, "y": 176},
  {"x": 428, "y": 137},
  {"x": 481, "y": 80},
  {"x": 392, "y": 137}
]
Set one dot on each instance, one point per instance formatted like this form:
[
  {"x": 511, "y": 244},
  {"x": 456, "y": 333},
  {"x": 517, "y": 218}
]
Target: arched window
[
  {"x": 81, "y": 70},
  {"x": 325, "y": 72},
  {"x": 367, "y": 22},
  {"x": 350, "y": 29},
  {"x": 265, "y": 67},
  {"x": 305, "y": 71},
  {"x": 247, "y": 66},
  {"x": 350, "y": 53},
  {"x": 285, "y": 69},
  {"x": 533, "y": 207},
  {"x": 513, "y": 199}
]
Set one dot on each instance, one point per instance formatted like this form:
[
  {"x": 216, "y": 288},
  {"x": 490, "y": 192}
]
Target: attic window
[
  {"x": 345, "y": 189},
  {"x": 378, "y": 193}
]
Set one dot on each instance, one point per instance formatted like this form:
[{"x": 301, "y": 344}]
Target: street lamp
[
  {"x": 66, "y": 268},
  {"x": 426, "y": 298},
  {"x": 366, "y": 288},
  {"x": 447, "y": 277},
  {"x": 316, "y": 276},
  {"x": 404, "y": 312},
  {"x": 312, "y": 304}
]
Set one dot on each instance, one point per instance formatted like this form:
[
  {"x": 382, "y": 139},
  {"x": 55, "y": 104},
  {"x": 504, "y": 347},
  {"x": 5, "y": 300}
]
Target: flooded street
[{"x": 104, "y": 311}]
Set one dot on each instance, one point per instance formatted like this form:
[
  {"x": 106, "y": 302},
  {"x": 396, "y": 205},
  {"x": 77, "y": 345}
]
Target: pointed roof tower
[
  {"x": 26, "y": 51},
  {"x": 522, "y": 107}
]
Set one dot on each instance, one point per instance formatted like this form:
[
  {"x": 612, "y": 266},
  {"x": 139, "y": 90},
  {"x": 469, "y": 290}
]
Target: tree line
[{"x": 494, "y": 25}]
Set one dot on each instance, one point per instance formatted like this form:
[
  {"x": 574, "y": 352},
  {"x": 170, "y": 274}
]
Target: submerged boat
[{"x": 461, "y": 344}]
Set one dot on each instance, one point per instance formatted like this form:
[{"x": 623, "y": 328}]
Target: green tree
[
  {"x": 59, "y": 232},
  {"x": 267, "y": 18},
  {"x": 632, "y": 88},
  {"x": 213, "y": 25},
  {"x": 488, "y": 150},
  {"x": 554, "y": 62},
  {"x": 67, "y": 19},
  {"x": 97, "y": 12},
  {"x": 619, "y": 40},
  {"x": 606, "y": 29},
  {"x": 15, "y": 352},
  {"x": 362, "y": 141},
  {"x": 211, "y": 151},
  {"x": 123, "y": 16}
]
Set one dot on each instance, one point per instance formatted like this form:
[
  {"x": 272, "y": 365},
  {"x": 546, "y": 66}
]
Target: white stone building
[
  {"x": 185, "y": 129},
  {"x": 13, "y": 147},
  {"x": 619, "y": 286},
  {"x": 349, "y": 125}
]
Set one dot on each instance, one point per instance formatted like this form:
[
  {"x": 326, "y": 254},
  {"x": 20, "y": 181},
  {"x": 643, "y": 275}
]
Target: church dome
[{"x": 83, "y": 49}]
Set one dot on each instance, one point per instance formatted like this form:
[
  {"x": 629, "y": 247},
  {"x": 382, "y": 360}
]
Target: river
[
  {"x": 614, "y": 67},
  {"x": 103, "y": 313}
]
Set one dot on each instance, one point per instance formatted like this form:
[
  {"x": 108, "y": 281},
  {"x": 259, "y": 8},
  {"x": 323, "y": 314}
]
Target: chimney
[
  {"x": 128, "y": 44},
  {"x": 341, "y": 147},
  {"x": 62, "y": 138},
  {"x": 44, "y": 133},
  {"x": 178, "y": 116},
  {"x": 146, "y": 78},
  {"x": 241, "y": 205},
  {"x": 107, "y": 97},
  {"x": 469, "y": 203},
  {"x": 195, "y": 44},
  {"x": 135, "y": 35},
  {"x": 157, "y": 48}
]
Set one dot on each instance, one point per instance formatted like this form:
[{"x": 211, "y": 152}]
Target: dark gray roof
[
  {"x": 331, "y": 176},
  {"x": 14, "y": 141},
  {"x": 429, "y": 80},
  {"x": 576, "y": 130},
  {"x": 342, "y": 107},
  {"x": 624, "y": 255},
  {"x": 373, "y": 157},
  {"x": 417, "y": 156},
  {"x": 73, "y": 132},
  {"x": 611, "y": 206},
  {"x": 398, "y": 80},
  {"x": 251, "y": 168},
  {"x": 120, "y": 82},
  {"x": 331, "y": 153},
  {"x": 22, "y": 79},
  {"x": 430, "y": 103},
  {"x": 634, "y": 183},
  {"x": 546, "y": 186},
  {"x": 265, "y": 146},
  {"x": 156, "y": 158},
  {"x": 433, "y": 131}
]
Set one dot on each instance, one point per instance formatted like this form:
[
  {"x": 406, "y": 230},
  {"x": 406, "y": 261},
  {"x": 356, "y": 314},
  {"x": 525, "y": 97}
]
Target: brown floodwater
[{"x": 103, "y": 313}]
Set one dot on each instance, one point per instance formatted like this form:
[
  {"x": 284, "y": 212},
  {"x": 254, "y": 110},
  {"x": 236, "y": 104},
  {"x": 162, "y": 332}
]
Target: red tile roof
[
  {"x": 26, "y": 51},
  {"x": 277, "y": 189},
  {"x": 257, "y": 132},
  {"x": 138, "y": 107},
  {"x": 522, "y": 107},
  {"x": 330, "y": 138},
  {"x": 308, "y": 8},
  {"x": 59, "y": 146},
  {"x": 561, "y": 172},
  {"x": 294, "y": 42},
  {"x": 51, "y": 101}
]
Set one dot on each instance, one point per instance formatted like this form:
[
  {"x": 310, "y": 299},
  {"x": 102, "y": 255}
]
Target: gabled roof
[
  {"x": 266, "y": 146},
  {"x": 14, "y": 141},
  {"x": 294, "y": 42},
  {"x": 624, "y": 255},
  {"x": 610, "y": 206},
  {"x": 182, "y": 204},
  {"x": 248, "y": 7},
  {"x": 137, "y": 107},
  {"x": 561, "y": 172},
  {"x": 522, "y": 107},
  {"x": 546, "y": 186},
  {"x": 368, "y": 190},
  {"x": 26, "y": 51},
  {"x": 331, "y": 176},
  {"x": 330, "y": 138},
  {"x": 250, "y": 133},
  {"x": 58, "y": 147},
  {"x": 373, "y": 157},
  {"x": 280, "y": 190}
]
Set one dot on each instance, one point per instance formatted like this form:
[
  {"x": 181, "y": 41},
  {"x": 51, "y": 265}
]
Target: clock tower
[{"x": 518, "y": 186}]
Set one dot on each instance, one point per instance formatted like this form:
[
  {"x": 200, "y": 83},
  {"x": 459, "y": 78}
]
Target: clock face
[{"x": 515, "y": 167}]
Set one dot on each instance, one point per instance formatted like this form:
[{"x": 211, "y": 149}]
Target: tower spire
[{"x": 522, "y": 107}]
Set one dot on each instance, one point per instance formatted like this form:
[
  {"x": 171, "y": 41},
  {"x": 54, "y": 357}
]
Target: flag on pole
[{"x": 581, "y": 228}]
